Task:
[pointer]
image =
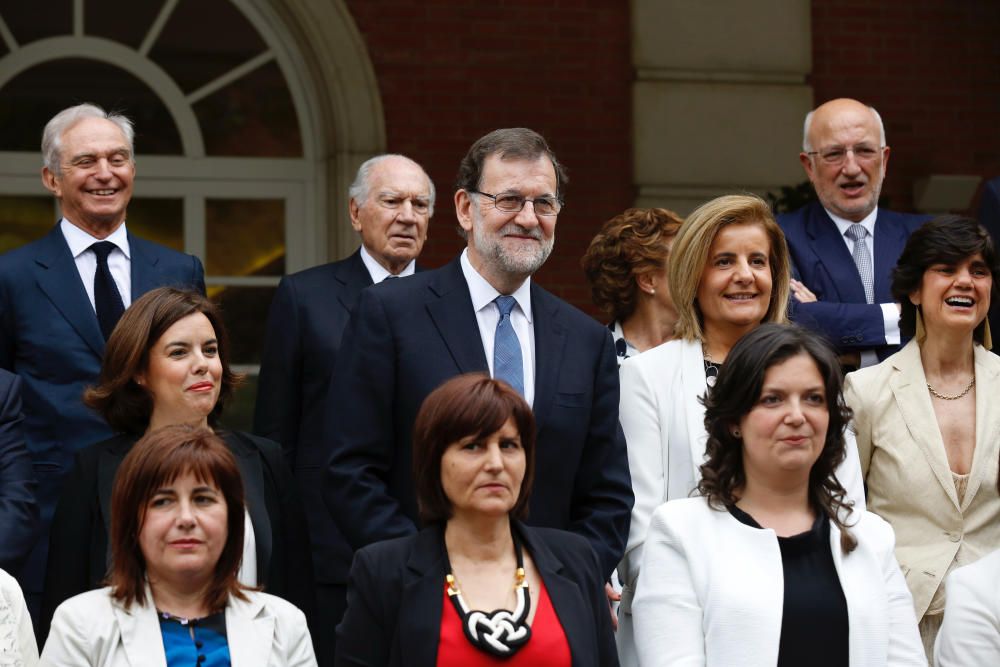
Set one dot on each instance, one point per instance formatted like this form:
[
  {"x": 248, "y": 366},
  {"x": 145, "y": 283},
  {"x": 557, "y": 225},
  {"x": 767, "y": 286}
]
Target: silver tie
[{"x": 863, "y": 259}]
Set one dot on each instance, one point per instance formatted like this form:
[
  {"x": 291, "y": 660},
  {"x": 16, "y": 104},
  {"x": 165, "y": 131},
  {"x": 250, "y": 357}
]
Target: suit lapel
[
  {"x": 252, "y": 472},
  {"x": 832, "y": 252},
  {"x": 419, "y": 626},
  {"x": 140, "y": 633},
  {"x": 354, "y": 276},
  {"x": 693, "y": 381},
  {"x": 909, "y": 389},
  {"x": 550, "y": 343},
  {"x": 59, "y": 279},
  {"x": 984, "y": 456},
  {"x": 250, "y": 633},
  {"x": 145, "y": 274},
  {"x": 889, "y": 240},
  {"x": 450, "y": 308}
]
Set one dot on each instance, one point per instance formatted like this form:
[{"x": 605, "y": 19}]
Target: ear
[
  {"x": 885, "y": 161},
  {"x": 51, "y": 182},
  {"x": 807, "y": 164},
  {"x": 646, "y": 282},
  {"x": 463, "y": 209},
  {"x": 915, "y": 297},
  {"x": 355, "y": 211}
]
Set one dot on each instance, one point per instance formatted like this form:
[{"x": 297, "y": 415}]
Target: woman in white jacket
[{"x": 772, "y": 566}]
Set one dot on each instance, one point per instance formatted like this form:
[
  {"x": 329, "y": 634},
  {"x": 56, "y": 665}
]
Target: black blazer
[
  {"x": 79, "y": 552},
  {"x": 394, "y": 596},
  {"x": 407, "y": 337},
  {"x": 18, "y": 510},
  {"x": 304, "y": 325}
]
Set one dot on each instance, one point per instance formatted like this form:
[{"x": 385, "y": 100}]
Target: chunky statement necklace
[
  {"x": 500, "y": 633},
  {"x": 943, "y": 397}
]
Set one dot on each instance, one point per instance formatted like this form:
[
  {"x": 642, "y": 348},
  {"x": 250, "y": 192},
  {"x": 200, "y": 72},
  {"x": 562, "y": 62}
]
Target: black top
[{"x": 814, "y": 622}]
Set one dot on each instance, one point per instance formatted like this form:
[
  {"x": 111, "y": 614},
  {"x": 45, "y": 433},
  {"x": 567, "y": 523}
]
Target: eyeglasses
[
  {"x": 836, "y": 155},
  {"x": 514, "y": 203}
]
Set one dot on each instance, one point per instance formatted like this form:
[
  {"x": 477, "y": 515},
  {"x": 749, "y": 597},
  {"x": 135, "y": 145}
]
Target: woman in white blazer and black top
[
  {"x": 729, "y": 272},
  {"x": 772, "y": 566},
  {"x": 174, "y": 599}
]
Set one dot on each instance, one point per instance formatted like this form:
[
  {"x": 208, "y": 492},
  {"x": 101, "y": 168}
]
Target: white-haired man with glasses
[
  {"x": 483, "y": 313},
  {"x": 843, "y": 246}
]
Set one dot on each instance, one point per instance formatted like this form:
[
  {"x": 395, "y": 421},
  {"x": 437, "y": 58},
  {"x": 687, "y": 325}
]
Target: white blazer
[
  {"x": 92, "y": 629},
  {"x": 970, "y": 633},
  {"x": 17, "y": 639},
  {"x": 664, "y": 424},
  {"x": 711, "y": 592}
]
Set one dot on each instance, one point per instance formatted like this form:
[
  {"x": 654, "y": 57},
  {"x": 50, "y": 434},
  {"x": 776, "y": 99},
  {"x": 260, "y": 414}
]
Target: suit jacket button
[{"x": 955, "y": 537}]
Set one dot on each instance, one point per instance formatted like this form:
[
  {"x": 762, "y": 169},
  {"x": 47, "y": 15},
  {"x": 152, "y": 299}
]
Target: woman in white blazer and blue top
[
  {"x": 772, "y": 565},
  {"x": 729, "y": 272},
  {"x": 175, "y": 599}
]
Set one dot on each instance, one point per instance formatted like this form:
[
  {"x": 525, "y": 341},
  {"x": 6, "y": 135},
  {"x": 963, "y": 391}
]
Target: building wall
[
  {"x": 931, "y": 68},
  {"x": 450, "y": 71}
]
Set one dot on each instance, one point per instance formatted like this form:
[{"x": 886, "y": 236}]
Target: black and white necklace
[{"x": 500, "y": 633}]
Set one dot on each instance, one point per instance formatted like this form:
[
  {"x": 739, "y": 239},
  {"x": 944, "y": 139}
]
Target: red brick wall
[
  {"x": 931, "y": 68},
  {"x": 450, "y": 71}
]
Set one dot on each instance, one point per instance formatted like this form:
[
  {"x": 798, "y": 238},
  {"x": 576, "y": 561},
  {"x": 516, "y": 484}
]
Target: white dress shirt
[
  {"x": 890, "y": 312},
  {"x": 119, "y": 261},
  {"x": 379, "y": 272},
  {"x": 488, "y": 315}
]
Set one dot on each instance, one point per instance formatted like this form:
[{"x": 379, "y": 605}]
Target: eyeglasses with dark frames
[
  {"x": 835, "y": 155},
  {"x": 511, "y": 202}
]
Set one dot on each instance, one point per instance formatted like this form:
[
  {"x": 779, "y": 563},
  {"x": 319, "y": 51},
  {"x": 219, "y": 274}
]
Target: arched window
[{"x": 226, "y": 148}]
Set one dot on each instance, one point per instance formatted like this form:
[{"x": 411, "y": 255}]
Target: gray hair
[
  {"x": 359, "y": 189},
  {"x": 67, "y": 118},
  {"x": 807, "y": 147}
]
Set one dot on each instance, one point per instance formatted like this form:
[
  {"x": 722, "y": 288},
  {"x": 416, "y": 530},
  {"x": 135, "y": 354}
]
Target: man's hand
[
  {"x": 802, "y": 293},
  {"x": 613, "y": 597}
]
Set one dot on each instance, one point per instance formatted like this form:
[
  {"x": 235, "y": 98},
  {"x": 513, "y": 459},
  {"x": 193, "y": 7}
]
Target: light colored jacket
[
  {"x": 970, "y": 633},
  {"x": 711, "y": 592},
  {"x": 94, "y": 629},
  {"x": 909, "y": 481},
  {"x": 17, "y": 640}
]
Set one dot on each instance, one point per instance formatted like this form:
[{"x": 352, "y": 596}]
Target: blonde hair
[{"x": 690, "y": 254}]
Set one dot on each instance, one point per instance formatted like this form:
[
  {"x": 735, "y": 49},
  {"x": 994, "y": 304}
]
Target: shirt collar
[
  {"x": 483, "y": 293},
  {"x": 843, "y": 224},
  {"x": 379, "y": 272},
  {"x": 79, "y": 240}
]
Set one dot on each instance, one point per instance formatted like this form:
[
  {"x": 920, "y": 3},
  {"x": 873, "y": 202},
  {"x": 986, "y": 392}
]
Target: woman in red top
[{"x": 476, "y": 586}]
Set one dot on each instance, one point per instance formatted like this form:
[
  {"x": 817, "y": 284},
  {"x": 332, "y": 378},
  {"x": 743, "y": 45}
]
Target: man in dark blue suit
[
  {"x": 60, "y": 296},
  {"x": 391, "y": 202},
  {"x": 18, "y": 509},
  {"x": 843, "y": 247},
  {"x": 483, "y": 313}
]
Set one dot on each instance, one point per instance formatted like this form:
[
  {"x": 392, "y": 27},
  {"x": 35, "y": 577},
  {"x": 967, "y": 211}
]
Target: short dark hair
[
  {"x": 470, "y": 404},
  {"x": 945, "y": 239},
  {"x": 126, "y": 405},
  {"x": 737, "y": 390},
  {"x": 158, "y": 459},
  {"x": 515, "y": 143},
  {"x": 630, "y": 244}
]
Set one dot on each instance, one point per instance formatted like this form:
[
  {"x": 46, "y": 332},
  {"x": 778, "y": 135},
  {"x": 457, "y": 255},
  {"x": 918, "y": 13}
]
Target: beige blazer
[
  {"x": 93, "y": 629},
  {"x": 905, "y": 466}
]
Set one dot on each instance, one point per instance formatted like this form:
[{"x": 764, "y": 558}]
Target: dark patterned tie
[
  {"x": 863, "y": 259},
  {"x": 107, "y": 300},
  {"x": 507, "y": 364}
]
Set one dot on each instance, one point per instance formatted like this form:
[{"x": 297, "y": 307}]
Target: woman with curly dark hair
[
  {"x": 626, "y": 266},
  {"x": 772, "y": 565}
]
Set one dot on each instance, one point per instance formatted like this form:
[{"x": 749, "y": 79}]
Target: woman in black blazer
[
  {"x": 413, "y": 600},
  {"x": 167, "y": 362}
]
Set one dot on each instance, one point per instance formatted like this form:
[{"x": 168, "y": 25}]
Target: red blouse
[{"x": 547, "y": 646}]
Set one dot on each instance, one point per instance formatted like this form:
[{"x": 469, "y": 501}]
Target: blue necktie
[
  {"x": 107, "y": 299},
  {"x": 506, "y": 348}
]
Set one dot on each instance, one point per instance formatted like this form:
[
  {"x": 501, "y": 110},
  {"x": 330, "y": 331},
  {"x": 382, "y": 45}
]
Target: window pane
[
  {"x": 22, "y": 19},
  {"x": 244, "y": 310},
  {"x": 158, "y": 219},
  {"x": 203, "y": 40},
  {"x": 30, "y": 99},
  {"x": 125, "y": 22},
  {"x": 254, "y": 115},
  {"x": 245, "y": 237},
  {"x": 238, "y": 415},
  {"x": 24, "y": 219}
]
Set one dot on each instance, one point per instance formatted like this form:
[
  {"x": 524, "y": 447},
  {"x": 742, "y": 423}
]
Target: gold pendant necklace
[{"x": 944, "y": 397}]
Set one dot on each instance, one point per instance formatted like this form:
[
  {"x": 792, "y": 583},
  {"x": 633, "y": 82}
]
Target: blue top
[{"x": 197, "y": 642}]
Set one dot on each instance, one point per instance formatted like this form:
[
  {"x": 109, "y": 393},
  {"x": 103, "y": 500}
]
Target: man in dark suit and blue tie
[
  {"x": 483, "y": 313},
  {"x": 391, "y": 202},
  {"x": 843, "y": 246},
  {"x": 60, "y": 296}
]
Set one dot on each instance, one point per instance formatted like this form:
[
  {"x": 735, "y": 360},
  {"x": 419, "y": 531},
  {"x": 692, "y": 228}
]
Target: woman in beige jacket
[{"x": 926, "y": 419}]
